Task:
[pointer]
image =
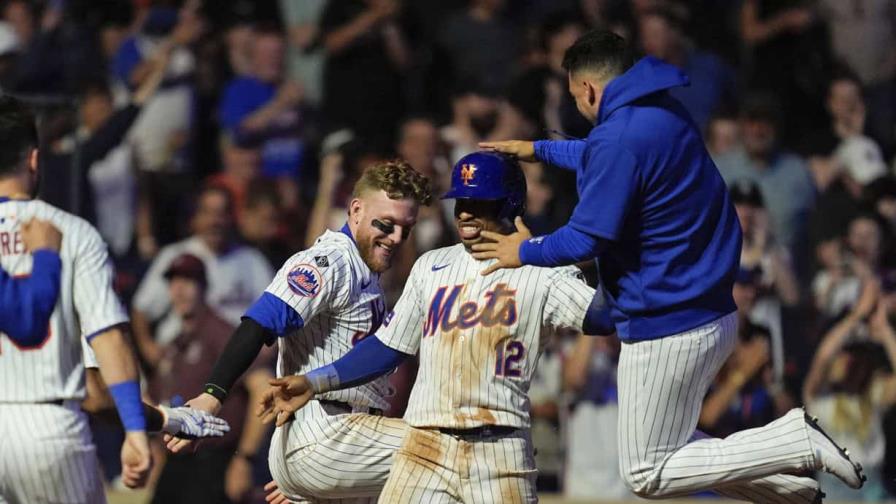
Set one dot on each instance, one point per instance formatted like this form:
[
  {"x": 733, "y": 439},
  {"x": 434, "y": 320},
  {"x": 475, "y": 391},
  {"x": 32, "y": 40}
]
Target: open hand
[
  {"x": 522, "y": 149},
  {"x": 504, "y": 248},
  {"x": 285, "y": 396}
]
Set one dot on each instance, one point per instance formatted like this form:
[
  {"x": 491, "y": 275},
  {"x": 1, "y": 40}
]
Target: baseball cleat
[{"x": 830, "y": 457}]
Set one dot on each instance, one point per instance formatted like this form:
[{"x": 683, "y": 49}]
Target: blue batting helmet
[{"x": 490, "y": 176}]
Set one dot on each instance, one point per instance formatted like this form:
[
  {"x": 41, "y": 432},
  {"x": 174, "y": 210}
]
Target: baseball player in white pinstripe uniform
[
  {"x": 46, "y": 451},
  {"x": 479, "y": 339},
  {"x": 323, "y": 301}
]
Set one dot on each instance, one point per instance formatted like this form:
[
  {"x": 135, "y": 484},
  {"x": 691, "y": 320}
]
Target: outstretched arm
[
  {"x": 368, "y": 360},
  {"x": 608, "y": 186}
]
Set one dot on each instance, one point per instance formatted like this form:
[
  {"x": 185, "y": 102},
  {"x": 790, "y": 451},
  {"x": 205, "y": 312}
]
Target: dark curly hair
[{"x": 398, "y": 179}]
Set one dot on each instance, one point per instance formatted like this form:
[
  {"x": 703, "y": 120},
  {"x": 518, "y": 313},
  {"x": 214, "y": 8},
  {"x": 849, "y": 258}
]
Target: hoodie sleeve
[
  {"x": 606, "y": 192},
  {"x": 562, "y": 153}
]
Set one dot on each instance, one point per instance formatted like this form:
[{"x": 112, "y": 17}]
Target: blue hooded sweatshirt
[{"x": 652, "y": 208}]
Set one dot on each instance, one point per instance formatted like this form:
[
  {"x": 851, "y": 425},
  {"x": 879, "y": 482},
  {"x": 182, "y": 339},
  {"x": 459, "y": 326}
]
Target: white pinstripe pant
[
  {"x": 433, "y": 467},
  {"x": 334, "y": 458},
  {"x": 662, "y": 384},
  {"x": 47, "y": 455}
]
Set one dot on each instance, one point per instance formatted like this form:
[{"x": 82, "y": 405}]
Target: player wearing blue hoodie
[{"x": 654, "y": 211}]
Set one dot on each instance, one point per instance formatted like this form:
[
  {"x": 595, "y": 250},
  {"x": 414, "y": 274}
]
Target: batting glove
[{"x": 188, "y": 423}]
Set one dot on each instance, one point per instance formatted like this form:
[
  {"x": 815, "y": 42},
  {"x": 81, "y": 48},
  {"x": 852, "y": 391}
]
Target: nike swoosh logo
[
  {"x": 437, "y": 268},
  {"x": 364, "y": 285}
]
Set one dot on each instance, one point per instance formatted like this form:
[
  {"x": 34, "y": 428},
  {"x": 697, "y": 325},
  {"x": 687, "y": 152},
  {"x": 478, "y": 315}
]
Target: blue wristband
[
  {"x": 130, "y": 407},
  {"x": 530, "y": 251}
]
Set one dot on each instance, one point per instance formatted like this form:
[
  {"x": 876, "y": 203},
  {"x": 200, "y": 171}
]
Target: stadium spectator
[
  {"x": 881, "y": 196},
  {"x": 862, "y": 33},
  {"x": 465, "y": 34},
  {"x": 241, "y": 163},
  {"x": 784, "y": 179},
  {"x": 223, "y": 470},
  {"x": 787, "y": 54},
  {"x": 264, "y": 108},
  {"x": 745, "y": 393},
  {"x": 722, "y": 135},
  {"x": 539, "y": 94},
  {"x": 261, "y": 222},
  {"x": 838, "y": 195},
  {"x": 769, "y": 263},
  {"x": 366, "y": 56},
  {"x": 304, "y": 55},
  {"x": 848, "y": 389},
  {"x": 90, "y": 171},
  {"x": 419, "y": 144},
  {"x": 236, "y": 275},
  {"x": 712, "y": 80}
]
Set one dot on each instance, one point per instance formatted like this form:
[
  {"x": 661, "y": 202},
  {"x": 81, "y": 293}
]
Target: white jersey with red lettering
[{"x": 46, "y": 450}]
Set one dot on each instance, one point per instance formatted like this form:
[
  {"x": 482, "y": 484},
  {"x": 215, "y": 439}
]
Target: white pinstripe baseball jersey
[
  {"x": 87, "y": 305},
  {"x": 340, "y": 301},
  {"x": 479, "y": 337}
]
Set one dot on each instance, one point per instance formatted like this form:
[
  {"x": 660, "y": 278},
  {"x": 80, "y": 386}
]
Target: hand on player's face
[
  {"x": 504, "y": 248},
  {"x": 472, "y": 217},
  {"x": 285, "y": 396}
]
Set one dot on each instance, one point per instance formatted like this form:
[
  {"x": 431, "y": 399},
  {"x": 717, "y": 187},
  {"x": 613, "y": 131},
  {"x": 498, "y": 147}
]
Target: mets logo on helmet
[
  {"x": 467, "y": 172},
  {"x": 304, "y": 280}
]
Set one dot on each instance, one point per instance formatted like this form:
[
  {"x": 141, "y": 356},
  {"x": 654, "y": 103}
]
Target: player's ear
[
  {"x": 592, "y": 93},
  {"x": 32, "y": 160},
  {"x": 354, "y": 211}
]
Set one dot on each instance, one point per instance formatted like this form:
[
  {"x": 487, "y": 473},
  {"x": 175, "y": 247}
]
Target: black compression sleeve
[{"x": 238, "y": 355}]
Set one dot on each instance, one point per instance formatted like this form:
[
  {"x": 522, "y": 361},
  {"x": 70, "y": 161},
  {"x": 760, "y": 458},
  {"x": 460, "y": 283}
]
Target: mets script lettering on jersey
[
  {"x": 469, "y": 314},
  {"x": 467, "y": 173}
]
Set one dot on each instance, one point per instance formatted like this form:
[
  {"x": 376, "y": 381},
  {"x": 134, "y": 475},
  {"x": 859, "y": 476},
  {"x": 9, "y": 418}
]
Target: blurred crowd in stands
[{"x": 208, "y": 141}]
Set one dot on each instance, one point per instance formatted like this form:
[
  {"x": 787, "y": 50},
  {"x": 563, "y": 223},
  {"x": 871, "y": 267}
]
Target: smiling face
[
  {"x": 472, "y": 217},
  {"x": 379, "y": 225}
]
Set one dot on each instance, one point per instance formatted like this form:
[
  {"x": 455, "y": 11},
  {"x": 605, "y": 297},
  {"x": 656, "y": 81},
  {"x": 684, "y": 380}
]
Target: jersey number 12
[{"x": 509, "y": 354}]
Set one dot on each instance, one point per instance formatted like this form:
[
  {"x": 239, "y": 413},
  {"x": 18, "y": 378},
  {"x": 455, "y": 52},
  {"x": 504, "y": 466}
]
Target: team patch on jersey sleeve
[{"x": 305, "y": 280}]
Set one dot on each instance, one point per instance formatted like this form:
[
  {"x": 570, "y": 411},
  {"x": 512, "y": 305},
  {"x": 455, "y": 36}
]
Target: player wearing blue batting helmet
[{"x": 490, "y": 176}]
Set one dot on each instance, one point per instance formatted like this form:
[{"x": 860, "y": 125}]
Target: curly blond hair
[{"x": 398, "y": 179}]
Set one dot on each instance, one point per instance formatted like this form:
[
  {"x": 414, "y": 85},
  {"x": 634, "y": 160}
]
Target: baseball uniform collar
[
  {"x": 14, "y": 197},
  {"x": 348, "y": 232}
]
